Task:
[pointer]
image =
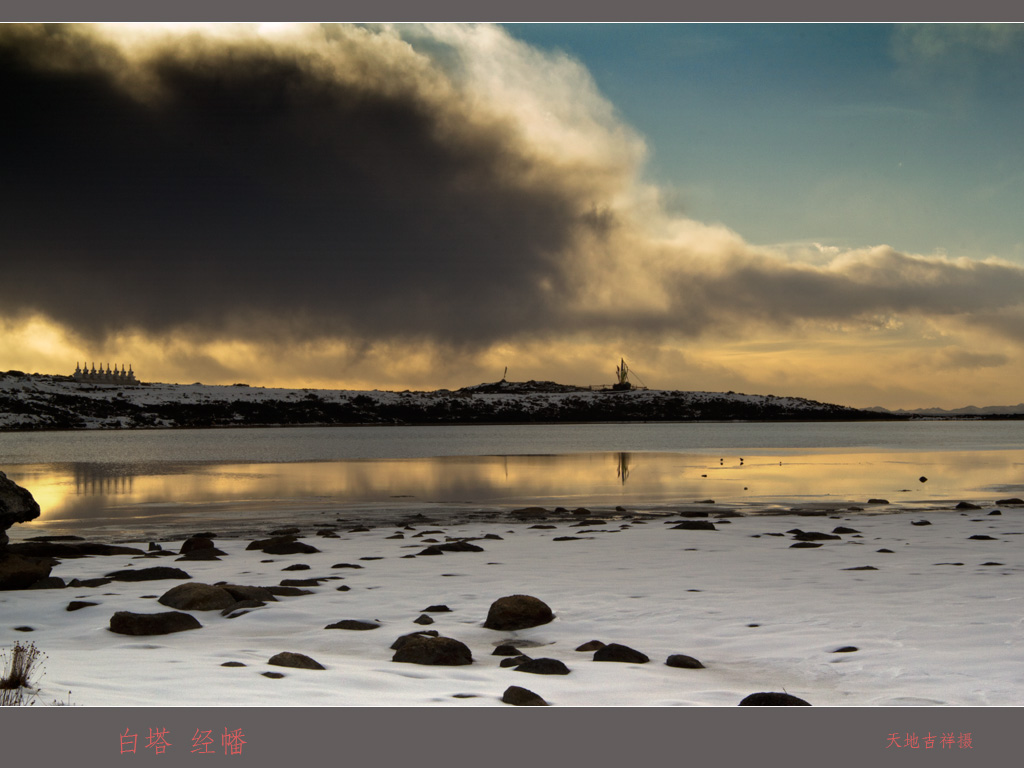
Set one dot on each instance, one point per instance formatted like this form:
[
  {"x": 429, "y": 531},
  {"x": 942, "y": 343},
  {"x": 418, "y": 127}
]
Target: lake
[{"x": 132, "y": 483}]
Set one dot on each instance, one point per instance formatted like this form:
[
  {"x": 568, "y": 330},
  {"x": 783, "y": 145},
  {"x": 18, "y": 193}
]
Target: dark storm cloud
[
  {"x": 375, "y": 185},
  {"x": 225, "y": 184}
]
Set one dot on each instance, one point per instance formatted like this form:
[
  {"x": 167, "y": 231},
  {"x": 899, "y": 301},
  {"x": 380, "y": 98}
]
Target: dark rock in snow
[
  {"x": 543, "y": 667},
  {"x": 77, "y": 605},
  {"x": 506, "y": 650},
  {"x": 283, "y": 545},
  {"x": 815, "y": 536},
  {"x": 128, "y": 623},
  {"x": 772, "y": 699},
  {"x": 194, "y": 596},
  {"x": 435, "y": 651},
  {"x": 593, "y": 645},
  {"x": 514, "y": 661},
  {"x": 405, "y": 638},
  {"x": 297, "y": 660},
  {"x": 517, "y": 612},
  {"x": 353, "y": 624},
  {"x": 682, "y": 661},
  {"x": 424, "y": 620},
  {"x": 50, "y": 582},
  {"x": 148, "y": 574},
  {"x": 694, "y": 525},
  {"x": 18, "y": 572},
  {"x": 622, "y": 653},
  {"x": 459, "y": 546},
  {"x": 522, "y": 697}
]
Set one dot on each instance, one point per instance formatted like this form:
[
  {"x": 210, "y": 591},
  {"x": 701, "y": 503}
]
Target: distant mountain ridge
[
  {"x": 968, "y": 410},
  {"x": 37, "y": 401}
]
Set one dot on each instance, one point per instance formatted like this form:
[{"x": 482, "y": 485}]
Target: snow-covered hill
[{"x": 37, "y": 401}]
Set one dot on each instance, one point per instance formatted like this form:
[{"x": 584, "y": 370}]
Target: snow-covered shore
[
  {"x": 934, "y": 615},
  {"x": 34, "y": 401}
]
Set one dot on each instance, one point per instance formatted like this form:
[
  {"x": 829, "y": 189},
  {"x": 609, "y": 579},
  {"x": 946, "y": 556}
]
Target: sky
[{"x": 827, "y": 211}]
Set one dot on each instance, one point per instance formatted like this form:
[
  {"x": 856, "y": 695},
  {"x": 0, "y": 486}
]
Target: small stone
[
  {"x": 772, "y": 699},
  {"x": 77, "y": 605},
  {"x": 593, "y": 645},
  {"x": 846, "y": 649},
  {"x": 297, "y": 660},
  {"x": 353, "y": 624},
  {"x": 682, "y": 661},
  {"x": 522, "y": 697},
  {"x": 424, "y": 620},
  {"x": 543, "y": 667},
  {"x": 233, "y": 664},
  {"x": 514, "y": 661},
  {"x": 695, "y": 525},
  {"x": 506, "y": 650},
  {"x": 621, "y": 653}
]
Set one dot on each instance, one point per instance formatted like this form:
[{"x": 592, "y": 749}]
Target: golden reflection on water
[{"x": 78, "y": 493}]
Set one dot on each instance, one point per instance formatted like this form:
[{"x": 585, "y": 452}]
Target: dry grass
[{"x": 22, "y": 662}]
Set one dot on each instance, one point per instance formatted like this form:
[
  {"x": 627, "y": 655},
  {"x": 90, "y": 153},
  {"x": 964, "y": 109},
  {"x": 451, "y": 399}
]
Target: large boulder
[
  {"x": 128, "y": 623},
  {"x": 16, "y": 506},
  {"x": 517, "y": 612},
  {"x": 18, "y": 572},
  {"x": 437, "y": 651},
  {"x": 194, "y": 596}
]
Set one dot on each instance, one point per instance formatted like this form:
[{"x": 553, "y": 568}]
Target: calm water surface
[{"x": 123, "y": 481}]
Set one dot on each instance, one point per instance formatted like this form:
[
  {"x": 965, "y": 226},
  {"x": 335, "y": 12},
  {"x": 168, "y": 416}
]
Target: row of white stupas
[{"x": 88, "y": 375}]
